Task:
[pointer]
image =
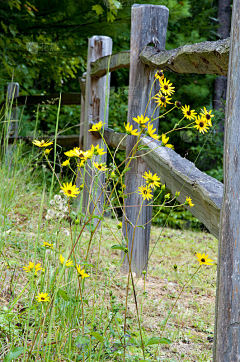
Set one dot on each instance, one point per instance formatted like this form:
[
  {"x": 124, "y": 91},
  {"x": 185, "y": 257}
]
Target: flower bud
[
  {"x": 178, "y": 104},
  {"x": 119, "y": 226},
  {"x": 177, "y": 193},
  {"x": 77, "y": 222}
]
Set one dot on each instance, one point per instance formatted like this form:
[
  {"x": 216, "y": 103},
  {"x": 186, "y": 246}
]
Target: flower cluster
[{"x": 58, "y": 210}]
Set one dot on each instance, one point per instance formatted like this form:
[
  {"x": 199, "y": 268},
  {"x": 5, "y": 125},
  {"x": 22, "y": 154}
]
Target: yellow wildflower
[
  {"x": 201, "y": 124},
  {"x": 162, "y": 100},
  {"x": 141, "y": 120},
  {"x": 42, "y": 297},
  {"x": 146, "y": 192},
  {"x": 70, "y": 190},
  {"x": 96, "y": 151},
  {"x": 188, "y": 113},
  {"x": 69, "y": 262},
  {"x": 203, "y": 259},
  {"x": 150, "y": 132},
  {"x": 47, "y": 151},
  {"x": 41, "y": 143},
  {"x": 189, "y": 201},
  {"x": 47, "y": 245},
  {"x": 100, "y": 166},
  {"x": 152, "y": 180},
  {"x": 81, "y": 272},
  {"x": 66, "y": 163},
  {"x": 166, "y": 87},
  {"x": 32, "y": 267},
  {"x": 130, "y": 130},
  {"x": 207, "y": 115},
  {"x": 97, "y": 126},
  {"x": 159, "y": 75}
]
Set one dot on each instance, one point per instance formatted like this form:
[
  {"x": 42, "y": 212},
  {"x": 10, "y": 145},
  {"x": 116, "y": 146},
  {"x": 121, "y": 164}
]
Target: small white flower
[
  {"x": 65, "y": 209},
  {"x": 48, "y": 217},
  {"x": 60, "y": 215},
  {"x": 58, "y": 199},
  {"x": 66, "y": 232},
  {"x": 52, "y": 202},
  {"x": 51, "y": 212}
]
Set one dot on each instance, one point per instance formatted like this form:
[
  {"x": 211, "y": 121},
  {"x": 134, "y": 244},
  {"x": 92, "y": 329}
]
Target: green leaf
[
  {"x": 63, "y": 294},
  {"x": 141, "y": 226},
  {"x": 155, "y": 340},
  {"x": 118, "y": 247},
  {"x": 97, "y": 336},
  {"x": 143, "y": 147},
  {"x": 99, "y": 10},
  {"x": 15, "y": 353}
]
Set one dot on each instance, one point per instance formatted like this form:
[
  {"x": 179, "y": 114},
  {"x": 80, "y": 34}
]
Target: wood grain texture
[
  {"x": 96, "y": 110},
  {"x": 117, "y": 61},
  {"x": 148, "y": 21},
  {"x": 227, "y": 316},
  {"x": 67, "y": 99},
  {"x": 208, "y": 57}
]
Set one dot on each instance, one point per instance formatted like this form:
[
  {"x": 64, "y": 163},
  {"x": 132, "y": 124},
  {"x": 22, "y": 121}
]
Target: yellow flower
[
  {"x": 166, "y": 87},
  {"x": 42, "y": 143},
  {"x": 47, "y": 245},
  {"x": 81, "y": 272},
  {"x": 97, "y": 126},
  {"x": 207, "y": 115},
  {"x": 76, "y": 152},
  {"x": 189, "y": 201},
  {"x": 141, "y": 120},
  {"x": 150, "y": 132},
  {"x": 31, "y": 267},
  {"x": 130, "y": 130},
  {"x": 69, "y": 262},
  {"x": 70, "y": 190},
  {"x": 47, "y": 151},
  {"x": 152, "y": 180},
  {"x": 119, "y": 226},
  {"x": 169, "y": 146},
  {"x": 146, "y": 192},
  {"x": 164, "y": 139},
  {"x": 96, "y": 150},
  {"x": 42, "y": 297},
  {"x": 201, "y": 124},
  {"x": 100, "y": 166},
  {"x": 203, "y": 259},
  {"x": 162, "y": 100},
  {"x": 188, "y": 113},
  {"x": 159, "y": 75},
  {"x": 66, "y": 163}
]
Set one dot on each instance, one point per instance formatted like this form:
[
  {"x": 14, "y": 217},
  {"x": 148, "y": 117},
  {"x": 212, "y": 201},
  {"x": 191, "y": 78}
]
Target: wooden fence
[{"x": 148, "y": 24}]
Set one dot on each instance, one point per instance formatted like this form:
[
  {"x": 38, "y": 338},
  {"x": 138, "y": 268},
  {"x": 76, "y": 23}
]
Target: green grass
[{"x": 188, "y": 328}]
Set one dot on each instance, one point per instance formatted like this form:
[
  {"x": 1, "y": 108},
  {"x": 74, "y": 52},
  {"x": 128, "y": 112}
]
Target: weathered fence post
[
  {"x": 227, "y": 313},
  {"x": 149, "y": 22},
  {"x": 82, "y": 81},
  {"x": 96, "y": 110}
]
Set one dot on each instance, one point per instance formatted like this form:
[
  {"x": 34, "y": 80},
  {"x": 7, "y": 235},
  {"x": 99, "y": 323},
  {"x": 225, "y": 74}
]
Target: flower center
[
  {"x": 99, "y": 167},
  {"x": 69, "y": 192},
  {"x": 160, "y": 73},
  {"x": 42, "y": 298},
  {"x": 165, "y": 87},
  {"x": 145, "y": 192},
  {"x": 189, "y": 113},
  {"x": 208, "y": 116},
  {"x": 203, "y": 260},
  {"x": 163, "y": 99},
  {"x": 201, "y": 124}
]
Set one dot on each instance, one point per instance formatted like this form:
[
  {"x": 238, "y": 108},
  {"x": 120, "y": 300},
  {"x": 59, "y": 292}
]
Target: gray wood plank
[{"x": 227, "y": 316}]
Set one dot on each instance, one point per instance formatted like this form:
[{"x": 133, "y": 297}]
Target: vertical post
[
  {"x": 82, "y": 82},
  {"x": 148, "y": 22},
  {"x": 96, "y": 110},
  {"x": 227, "y": 313}
]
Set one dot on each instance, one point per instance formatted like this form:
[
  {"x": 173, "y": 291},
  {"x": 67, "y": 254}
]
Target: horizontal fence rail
[
  {"x": 179, "y": 174},
  {"x": 67, "y": 99}
]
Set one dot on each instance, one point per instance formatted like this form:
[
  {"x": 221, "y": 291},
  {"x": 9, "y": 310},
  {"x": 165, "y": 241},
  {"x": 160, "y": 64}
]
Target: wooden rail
[
  {"x": 208, "y": 57},
  {"x": 67, "y": 99},
  {"x": 179, "y": 174}
]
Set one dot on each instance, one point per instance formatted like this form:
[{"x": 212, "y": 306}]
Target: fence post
[
  {"x": 227, "y": 316},
  {"x": 96, "y": 110},
  {"x": 148, "y": 22},
  {"x": 82, "y": 81}
]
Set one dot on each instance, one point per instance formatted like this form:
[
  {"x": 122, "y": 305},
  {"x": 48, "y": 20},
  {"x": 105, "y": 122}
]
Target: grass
[{"x": 190, "y": 327}]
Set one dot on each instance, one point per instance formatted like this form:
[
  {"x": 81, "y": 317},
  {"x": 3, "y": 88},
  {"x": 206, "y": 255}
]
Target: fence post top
[{"x": 149, "y": 6}]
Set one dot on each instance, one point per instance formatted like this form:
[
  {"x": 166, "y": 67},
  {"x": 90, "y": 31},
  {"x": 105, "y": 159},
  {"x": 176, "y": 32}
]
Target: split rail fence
[{"x": 149, "y": 25}]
